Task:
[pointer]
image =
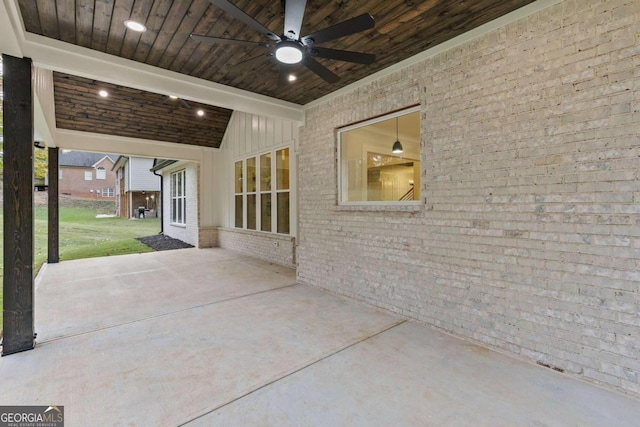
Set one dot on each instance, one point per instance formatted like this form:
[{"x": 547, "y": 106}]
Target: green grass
[{"x": 82, "y": 235}]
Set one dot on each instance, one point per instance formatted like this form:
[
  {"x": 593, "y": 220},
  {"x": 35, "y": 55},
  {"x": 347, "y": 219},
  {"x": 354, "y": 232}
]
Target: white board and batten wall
[{"x": 250, "y": 135}]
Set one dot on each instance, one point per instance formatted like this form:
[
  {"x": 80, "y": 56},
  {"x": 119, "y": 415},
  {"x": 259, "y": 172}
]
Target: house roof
[
  {"x": 159, "y": 164},
  {"x": 83, "y": 158}
]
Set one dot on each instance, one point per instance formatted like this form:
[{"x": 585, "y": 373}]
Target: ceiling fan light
[
  {"x": 288, "y": 54},
  {"x": 135, "y": 26},
  {"x": 292, "y": 78},
  {"x": 397, "y": 148}
]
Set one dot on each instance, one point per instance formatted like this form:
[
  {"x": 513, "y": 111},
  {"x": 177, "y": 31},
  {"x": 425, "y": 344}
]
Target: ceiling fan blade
[
  {"x": 283, "y": 75},
  {"x": 343, "y": 55},
  {"x": 246, "y": 64},
  {"x": 320, "y": 70},
  {"x": 184, "y": 103},
  {"x": 220, "y": 40},
  {"x": 293, "y": 15},
  {"x": 345, "y": 28},
  {"x": 237, "y": 13}
]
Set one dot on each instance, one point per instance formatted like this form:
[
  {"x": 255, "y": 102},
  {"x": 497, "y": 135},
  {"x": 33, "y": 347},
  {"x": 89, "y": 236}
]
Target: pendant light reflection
[{"x": 397, "y": 146}]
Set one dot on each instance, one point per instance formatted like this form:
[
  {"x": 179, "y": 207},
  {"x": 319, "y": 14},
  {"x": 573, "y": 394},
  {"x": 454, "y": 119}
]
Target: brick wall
[
  {"x": 270, "y": 247},
  {"x": 529, "y": 236},
  {"x": 73, "y": 183},
  {"x": 208, "y": 237}
]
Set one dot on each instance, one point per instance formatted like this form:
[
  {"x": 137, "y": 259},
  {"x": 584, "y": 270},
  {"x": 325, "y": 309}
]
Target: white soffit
[
  {"x": 503, "y": 21},
  {"x": 79, "y": 61}
]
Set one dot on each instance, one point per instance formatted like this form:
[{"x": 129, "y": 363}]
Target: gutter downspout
[{"x": 161, "y": 210}]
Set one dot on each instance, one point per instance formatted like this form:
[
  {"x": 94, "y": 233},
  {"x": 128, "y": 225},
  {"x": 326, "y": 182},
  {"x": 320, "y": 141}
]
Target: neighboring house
[
  {"x": 136, "y": 187},
  {"x": 179, "y": 199},
  {"x": 87, "y": 175}
]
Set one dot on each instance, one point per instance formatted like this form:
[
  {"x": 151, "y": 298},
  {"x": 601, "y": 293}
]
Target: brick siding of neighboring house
[{"x": 73, "y": 183}]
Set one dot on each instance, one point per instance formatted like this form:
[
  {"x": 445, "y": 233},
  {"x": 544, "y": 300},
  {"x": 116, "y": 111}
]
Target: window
[
  {"x": 107, "y": 192},
  {"x": 101, "y": 173},
  {"x": 380, "y": 160},
  {"x": 88, "y": 175},
  {"x": 178, "y": 198},
  {"x": 262, "y": 193},
  {"x": 239, "y": 189}
]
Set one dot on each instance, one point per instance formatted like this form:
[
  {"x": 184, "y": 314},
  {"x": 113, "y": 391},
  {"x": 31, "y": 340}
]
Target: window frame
[
  {"x": 259, "y": 191},
  {"x": 101, "y": 173},
  {"x": 88, "y": 175},
  {"x": 340, "y": 167},
  {"x": 174, "y": 198}
]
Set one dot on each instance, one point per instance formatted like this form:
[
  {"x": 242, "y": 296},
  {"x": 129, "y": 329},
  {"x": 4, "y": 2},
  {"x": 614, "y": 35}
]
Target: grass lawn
[{"x": 82, "y": 235}]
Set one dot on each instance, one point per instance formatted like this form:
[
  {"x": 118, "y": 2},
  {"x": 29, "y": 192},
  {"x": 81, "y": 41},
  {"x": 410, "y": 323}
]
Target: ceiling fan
[{"x": 290, "y": 48}]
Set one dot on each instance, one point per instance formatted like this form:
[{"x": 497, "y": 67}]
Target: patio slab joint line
[
  {"x": 164, "y": 314},
  {"x": 340, "y": 350}
]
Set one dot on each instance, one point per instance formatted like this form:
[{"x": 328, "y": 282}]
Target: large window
[
  {"x": 261, "y": 192},
  {"x": 178, "y": 198},
  {"x": 101, "y": 173},
  {"x": 380, "y": 160}
]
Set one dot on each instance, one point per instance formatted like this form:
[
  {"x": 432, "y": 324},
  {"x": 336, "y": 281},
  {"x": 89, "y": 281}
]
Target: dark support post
[
  {"x": 18, "y": 205},
  {"x": 53, "y": 242}
]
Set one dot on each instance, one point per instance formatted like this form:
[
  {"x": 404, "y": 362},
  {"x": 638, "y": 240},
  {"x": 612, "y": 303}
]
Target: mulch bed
[{"x": 160, "y": 242}]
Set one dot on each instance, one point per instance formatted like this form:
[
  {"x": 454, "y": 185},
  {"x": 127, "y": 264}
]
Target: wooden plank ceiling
[
  {"x": 135, "y": 113},
  {"x": 403, "y": 28}
]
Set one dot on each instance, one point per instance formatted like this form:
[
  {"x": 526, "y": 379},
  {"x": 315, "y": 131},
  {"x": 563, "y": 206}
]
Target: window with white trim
[
  {"x": 88, "y": 175},
  {"x": 261, "y": 192},
  {"x": 101, "y": 173},
  {"x": 380, "y": 160},
  {"x": 178, "y": 198},
  {"x": 107, "y": 192}
]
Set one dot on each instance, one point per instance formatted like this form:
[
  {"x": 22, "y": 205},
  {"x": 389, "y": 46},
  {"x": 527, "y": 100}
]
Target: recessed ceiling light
[
  {"x": 292, "y": 78},
  {"x": 135, "y": 26},
  {"x": 103, "y": 93},
  {"x": 200, "y": 113},
  {"x": 173, "y": 97}
]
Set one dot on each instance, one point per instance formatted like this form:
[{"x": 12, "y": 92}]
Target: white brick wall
[
  {"x": 275, "y": 248},
  {"x": 189, "y": 232},
  {"x": 529, "y": 239}
]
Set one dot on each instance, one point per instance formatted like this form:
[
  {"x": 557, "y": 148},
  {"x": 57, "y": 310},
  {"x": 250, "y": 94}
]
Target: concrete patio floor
[{"x": 212, "y": 338}]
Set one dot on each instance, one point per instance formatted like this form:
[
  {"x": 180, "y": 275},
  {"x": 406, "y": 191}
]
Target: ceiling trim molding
[
  {"x": 95, "y": 142},
  {"x": 79, "y": 61},
  {"x": 503, "y": 21}
]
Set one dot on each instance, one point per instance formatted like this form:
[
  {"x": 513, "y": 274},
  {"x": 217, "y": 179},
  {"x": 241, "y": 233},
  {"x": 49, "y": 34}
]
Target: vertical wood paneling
[
  {"x": 30, "y": 17},
  {"x": 255, "y": 134},
  {"x": 263, "y": 133},
  {"x": 43, "y": 88},
  {"x": 46, "y": 11},
  {"x": 140, "y": 13},
  {"x": 84, "y": 22},
  {"x": 18, "y": 205},
  {"x": 101, "y": 24},
  {"x": 270, "y": 134},
  {"x": 154, "y": 23},
  {"x": 66, "y": 20},
  {"x": 117, "y": 29}
]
